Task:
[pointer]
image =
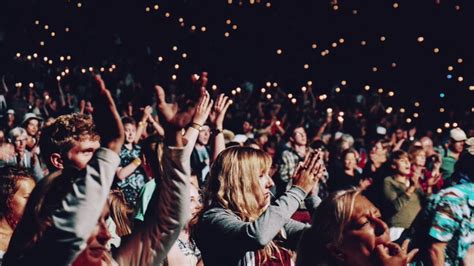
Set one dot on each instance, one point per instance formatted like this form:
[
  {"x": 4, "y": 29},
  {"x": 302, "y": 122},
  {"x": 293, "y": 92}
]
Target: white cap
[
  {"x": 381, "y": 130},
  {"x": 457, "y": 134},
  {"x": 240, "y": 138},
  {"x": 470, "y": 145}
]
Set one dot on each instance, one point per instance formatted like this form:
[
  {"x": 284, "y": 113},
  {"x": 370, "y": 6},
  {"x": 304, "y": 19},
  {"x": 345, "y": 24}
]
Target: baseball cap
[
  {"x": 29, "y": 116},
  {"x": 457, "y": 134}
]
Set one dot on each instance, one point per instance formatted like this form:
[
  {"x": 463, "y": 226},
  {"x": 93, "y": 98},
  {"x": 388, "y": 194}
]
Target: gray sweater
[{"x": 224, "y": 239}]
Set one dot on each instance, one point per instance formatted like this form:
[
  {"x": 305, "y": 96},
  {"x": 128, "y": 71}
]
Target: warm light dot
[
  {"x": 111, "y": 69},
  {"x": 79, "y": 4},
  {"x": 18, "y": 54},
  {"x": 91, "y": 69},
  {"x": 323, "y": 97},
  {"x": 366, "y": 87},
  {"x": 389, "y": 110},
  {"x": 309, "y": 83},
  {"x": 293, "y": 100},
  {"x": 68, "y": 57},
  {"x": 167, "y": 14},
  {"x": 234, "y": 92},
  {"x": 63, "y": 74},
  {"x": 58, "y": 78},
  {"x": 341, "y": 113},
  {"x": 35, "y": 55},
  {"x": 391, "y": 93},
  {"x": 113, "y": 66},
  {"x": 417, "y": 104},
  {"x": 147, "y": 9},
  {"x": 471, "y": 88},
  {"x": 394, "y": 64},
  {"x": 382, "y": 38},
  {"x": 175, "y": 48},
  {"x": 83, "y": 71},
  {"x": 446, "y": 125},
  {"x": 66, "y": 29},
  {"x": 28, "y": 57},
  {"x": 460, "y": 78},
  {"x": 329, "y": 110},
  {"x": 354, "y": 12},
  {"x": 180, "y": 20},
  {"x": 341, "y": 40},
  {"x": 334, "y": 45},
  {"x": 290, "y": 95},
  {"x": 408, "y": 120},
  {"x": 275, "y": 84},
  {"x": 66, "y": 71},
  {"x": 363, "y": 43},
  {"x": 395, "y": 5},
  {"x": 263, "y": 90},
  {"x": 415, "y": 115},
  {"x": 279, "y": 51},
  {"x": 439, "y": 130},
  {"x": 50, "y": 61},
  {"x": 238, "y": 89},
  {"x": 305, "y": 66},
  {"x": 335, "y": 7},
  {"x": 340, "y": 119},
  {"x": 228, "y": 21},
  {"x": 45, "y": 58},
  {"x": 380, "y": 90},
  {"x": 436, "y": 50},
  {"x": 450, "y": 68},
  {"x": 176, "y": 66},
  {"x": 455, "y": 124},
  {"x": 160, "y": 58},
  {"x": 61, "y": 58},
  {"x": 234, "y": 27},
  {"x": 31, "y": 85},
  {"x": 420, "y": 39},
  {"x": 460, "y": 60},
  {"x": 193, "y": 28},
  {"x": 343, "y": 82},
  {"x": 203, "y": 29},
  {"x": 269, "y": 96},
  {"x": 457, "y": 7},
  {"x": 37, "y": 22},
  {"x": 184, "y": 55},
  {"x": 374, "y": 69},
  {"x": 214, "y": 87},
  {"x": 314, "y": 46},
  {"x": 303, "y": 89},
  {"x": 268, "y": 84},
  {"x": 46, "y": 27},
  {"x": 173, "y": 77},
  {"x": 226, "y": 34},
  {"x": 42, "y": 43},
  {"x": 156, "y": 7},
  {"x": 338, "y": 89},
  {"x": 441, "y": 110}
]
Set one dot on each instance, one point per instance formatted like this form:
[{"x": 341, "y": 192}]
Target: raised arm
[{"x": 217, "y": 122}]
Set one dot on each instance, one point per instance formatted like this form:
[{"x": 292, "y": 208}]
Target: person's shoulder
[{"x": 457, "y": 192}]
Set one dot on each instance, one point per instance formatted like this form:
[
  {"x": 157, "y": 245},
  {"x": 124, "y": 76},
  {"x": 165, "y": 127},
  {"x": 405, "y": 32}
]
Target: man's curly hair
[{"x": 66, "y": 130}]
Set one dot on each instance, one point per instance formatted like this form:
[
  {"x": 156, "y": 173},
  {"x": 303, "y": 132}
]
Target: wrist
[
  {"x": 196, "y": 126},
  {"x": 137, "y": 161}
]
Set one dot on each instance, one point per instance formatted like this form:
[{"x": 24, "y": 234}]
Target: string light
[
  {"x": 263, "y": 90},
  {"x": 366, "y": 87},
  {"x": 420, "y": 39},
  {"x": 455, "y": 124},
  {"x": 279, "y": 51},
  {"x": 343, "y": 83},
  {"x": 447, "y": 125},
  {"x": 184, "y": 55},
  {"x": 389, "y": 110},
  {"x": 314, "y": 46},
  {"x": 460, "y": 60},
  {"x": 460, "y": 78},
  {"x": 439, "y": 130},
  {"x": 450, "y": 68},
  {"x": 293, "y": 101},
  {"x": 436, "y": 50},
  {"x": 290, "y": 95},
  {"x": 309, "y": 82},
  {"x": 156, "y": 7},
  {"x": 402, "y": 110}
]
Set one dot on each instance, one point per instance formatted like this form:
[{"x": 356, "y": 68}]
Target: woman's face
[
  {"x": 195, "y": 200},
  {"x": 266, "y": 182},
  {"x": 402, "y": 166},
  {"x": 350, "y": 161},
  {"x": 364, "y": 232},
  {"x": 96, "y": 250},
  {"x": 130, "y": 132},
  {"x": 20, "y": 198},
  {"x": 420, "y": 159},
  {"x": 204, "y": 135}
]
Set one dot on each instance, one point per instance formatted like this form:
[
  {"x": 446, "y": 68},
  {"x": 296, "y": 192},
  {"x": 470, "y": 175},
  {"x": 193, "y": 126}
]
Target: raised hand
[
  {"x": 203, "y": 109},
  {"x": 218, "y": 112},
  {"x": 392, "y": 254},
  {"x": 308, "y": 173},
  {"x": 106, "y": 117}
]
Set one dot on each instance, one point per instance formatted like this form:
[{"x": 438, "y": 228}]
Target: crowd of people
[{"x": 201, "y": 178}]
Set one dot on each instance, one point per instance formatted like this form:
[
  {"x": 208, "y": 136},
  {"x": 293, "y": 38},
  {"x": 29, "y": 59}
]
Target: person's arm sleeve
[
  {"x": 397, "y": 201},
  {"x": 255, "y": 235},
  {"x": 150, "y": 244},
  {"x": 79, "y": 212},
  {"x": 445, "y": 221},
  {"x": 285, "y": 168}
]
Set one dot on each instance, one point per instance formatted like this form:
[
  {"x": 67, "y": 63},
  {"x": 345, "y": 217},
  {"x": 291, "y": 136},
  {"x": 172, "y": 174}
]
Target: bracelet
[
  {"x": 141, "y": 123},
  {"x": 196, "y": 126},
  {"x": 217, "y": 131},
  {"x": 137, "y": 161}
]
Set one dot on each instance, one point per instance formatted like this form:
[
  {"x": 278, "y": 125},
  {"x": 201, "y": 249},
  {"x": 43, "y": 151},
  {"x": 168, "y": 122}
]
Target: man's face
[
  {"x": 204, "y": 135},
  {"x": 299, "y": 136},
  {"x": 32, "y": 127},
  {"x": 20, "y": 143},
  {"x": 81, "y": 153},
  {"x": 457, "y": 146}
]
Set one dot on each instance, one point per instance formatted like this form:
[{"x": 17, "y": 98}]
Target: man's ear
[
  {"x": 56, "y": 161},
  {"x": 336, "y": 252}
]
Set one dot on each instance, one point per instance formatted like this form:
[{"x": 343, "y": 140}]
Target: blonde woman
[
  {"x": 348, "y": 230},
  {"x": 238, "y": 224}
]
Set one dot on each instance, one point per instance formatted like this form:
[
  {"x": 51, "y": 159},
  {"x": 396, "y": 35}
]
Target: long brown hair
[{"x": 120, "y": 212}]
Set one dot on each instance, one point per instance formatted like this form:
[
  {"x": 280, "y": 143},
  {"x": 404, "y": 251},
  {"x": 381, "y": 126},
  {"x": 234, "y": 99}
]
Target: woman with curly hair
[
  {"x": 16, "y": 185},
  {"x": 239, "y": 225}
]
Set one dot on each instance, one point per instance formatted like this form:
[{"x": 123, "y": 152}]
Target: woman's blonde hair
[
  {"x": 120, "y": 212},
  {"x": 234, "y": 184},
  {"x": 329, "y": 222}
]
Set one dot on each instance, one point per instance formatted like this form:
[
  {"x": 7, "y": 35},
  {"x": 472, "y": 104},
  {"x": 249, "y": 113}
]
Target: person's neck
[
  {"x": 128, "y": 145},
  {"x": 199, "y": 145},
  {"x": 5, "y": 227},
  {"x": 300, "y": 149},
  {"x": 401, "y": 178},
  {"x": 349, "y": 171}
]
